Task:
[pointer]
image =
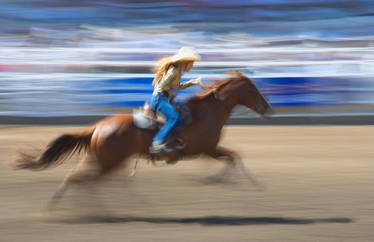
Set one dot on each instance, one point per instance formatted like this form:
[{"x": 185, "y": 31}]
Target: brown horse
[{"x": 112, "y": 140}]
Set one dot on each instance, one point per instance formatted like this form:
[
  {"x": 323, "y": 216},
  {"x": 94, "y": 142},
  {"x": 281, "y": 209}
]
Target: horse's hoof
[
  {"x": 171, "y": 162},
  {"x": 50, "y": 207},
  {"x": 259, "y": 187},
  {"x": 133, "y": 173}
]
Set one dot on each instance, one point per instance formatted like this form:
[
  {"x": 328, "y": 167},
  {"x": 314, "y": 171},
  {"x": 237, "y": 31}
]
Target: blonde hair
[{"x": 162, "y": 66}]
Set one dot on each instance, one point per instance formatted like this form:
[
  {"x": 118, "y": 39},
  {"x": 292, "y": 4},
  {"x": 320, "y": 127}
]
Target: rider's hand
[{"x": 197, "y": 81}]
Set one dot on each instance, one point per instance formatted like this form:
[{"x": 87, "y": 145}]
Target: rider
[{"x": 168, "y": 77}]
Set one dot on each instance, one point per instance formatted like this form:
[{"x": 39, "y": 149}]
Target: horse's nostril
[
  {"x": 269, "y": 111},
  {"x": 262, "y": 108}
]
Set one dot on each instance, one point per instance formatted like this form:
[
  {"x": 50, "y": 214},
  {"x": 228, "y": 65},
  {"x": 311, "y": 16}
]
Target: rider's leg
[{"x": 174, "y": 121}]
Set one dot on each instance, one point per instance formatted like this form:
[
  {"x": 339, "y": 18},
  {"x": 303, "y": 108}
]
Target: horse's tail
[{"x": 57, "y": 151}]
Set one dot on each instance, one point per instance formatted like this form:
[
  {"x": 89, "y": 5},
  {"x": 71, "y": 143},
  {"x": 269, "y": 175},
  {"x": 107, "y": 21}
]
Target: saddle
[{"x": 147, "y": 118}]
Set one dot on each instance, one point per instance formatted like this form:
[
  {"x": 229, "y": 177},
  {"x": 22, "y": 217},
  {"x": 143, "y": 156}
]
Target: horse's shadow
[{"x": 209, "y": 220}]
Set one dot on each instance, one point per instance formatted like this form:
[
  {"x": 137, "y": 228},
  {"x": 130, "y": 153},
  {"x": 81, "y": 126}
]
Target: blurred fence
[
  {"x": 101, "y": 94},
  {"x": 64, "y": 58}
]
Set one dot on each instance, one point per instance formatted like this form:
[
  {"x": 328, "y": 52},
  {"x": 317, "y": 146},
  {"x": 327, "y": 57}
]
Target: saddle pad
[{"x": 142, "y": 121}]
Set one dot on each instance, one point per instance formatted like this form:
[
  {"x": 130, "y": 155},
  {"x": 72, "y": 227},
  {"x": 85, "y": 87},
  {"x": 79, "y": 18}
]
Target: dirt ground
[{"x": 318, "y": 187}]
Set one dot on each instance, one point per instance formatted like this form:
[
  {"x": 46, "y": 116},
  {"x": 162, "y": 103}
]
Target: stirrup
[{"x": 159, "y": 148}]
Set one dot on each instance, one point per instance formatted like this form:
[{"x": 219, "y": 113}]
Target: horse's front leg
[{"x": 233, "y": 161}]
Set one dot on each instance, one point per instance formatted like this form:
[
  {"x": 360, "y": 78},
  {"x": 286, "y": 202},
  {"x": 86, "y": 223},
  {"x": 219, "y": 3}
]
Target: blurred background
[
  {"x": 75, "y": 61},
  {"x": 84, "y": 58}
]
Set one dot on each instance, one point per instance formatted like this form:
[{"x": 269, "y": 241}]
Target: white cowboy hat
[{"x": 186, "y": 54}]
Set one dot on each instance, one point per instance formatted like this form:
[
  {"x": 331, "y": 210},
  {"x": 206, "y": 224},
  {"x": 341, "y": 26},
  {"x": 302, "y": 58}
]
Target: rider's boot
[{"x": 158, "y": 147}]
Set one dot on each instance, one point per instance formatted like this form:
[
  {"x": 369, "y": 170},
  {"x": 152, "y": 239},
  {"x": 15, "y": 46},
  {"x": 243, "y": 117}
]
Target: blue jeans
[{"x": 161, "y": 103}]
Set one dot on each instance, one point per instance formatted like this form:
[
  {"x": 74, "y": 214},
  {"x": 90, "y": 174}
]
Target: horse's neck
[
  {"x": 214, "y": 108},
  {"x": 227, "y": 106}
]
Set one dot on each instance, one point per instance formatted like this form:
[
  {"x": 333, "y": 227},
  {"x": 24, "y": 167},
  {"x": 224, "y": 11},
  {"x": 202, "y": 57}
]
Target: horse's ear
[{"x": 235, "y": 73}]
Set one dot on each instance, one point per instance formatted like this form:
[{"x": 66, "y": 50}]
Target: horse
[{"x": 111, "y": 141}]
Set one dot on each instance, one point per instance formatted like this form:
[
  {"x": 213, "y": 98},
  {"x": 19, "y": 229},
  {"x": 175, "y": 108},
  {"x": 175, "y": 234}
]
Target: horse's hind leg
[
  {"x": 57, "y": 196},
  {"x": 233, "y": 160},
  {"x": 85, "y": 173}
]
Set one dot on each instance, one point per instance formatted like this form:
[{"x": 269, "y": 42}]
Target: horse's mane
[{"x": 210, "y": 89}]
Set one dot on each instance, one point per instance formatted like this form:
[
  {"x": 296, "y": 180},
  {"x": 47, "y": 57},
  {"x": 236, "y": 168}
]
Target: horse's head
[
  {"x": 247, "y": 94},
  {"x": 237, "y": 89}
]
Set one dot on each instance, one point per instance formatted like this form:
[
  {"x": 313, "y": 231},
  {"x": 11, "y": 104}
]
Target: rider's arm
[
  {"x": 187, "y": 84},
  {"x": 184, "y": 85}
]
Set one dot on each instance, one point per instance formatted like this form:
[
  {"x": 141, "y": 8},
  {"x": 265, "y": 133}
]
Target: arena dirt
[{"x": 318, "y": 186}]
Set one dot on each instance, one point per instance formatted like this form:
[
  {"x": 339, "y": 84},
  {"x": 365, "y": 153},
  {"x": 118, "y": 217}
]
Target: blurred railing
[{"x": 309, "y": 58}]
